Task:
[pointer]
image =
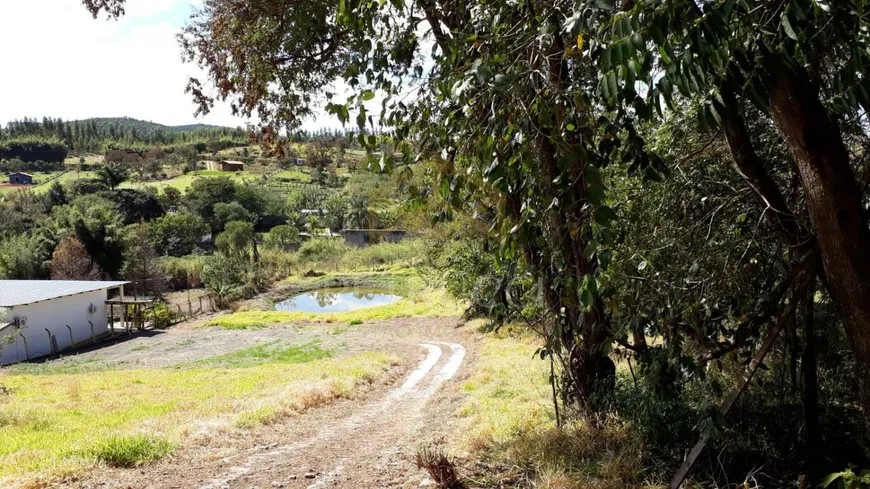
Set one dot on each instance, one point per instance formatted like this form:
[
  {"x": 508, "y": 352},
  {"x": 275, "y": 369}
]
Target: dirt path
[{"x": 368, "y": 442}]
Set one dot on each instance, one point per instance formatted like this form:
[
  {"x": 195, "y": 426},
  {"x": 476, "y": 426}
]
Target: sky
[{"x": 60, "y": 62}]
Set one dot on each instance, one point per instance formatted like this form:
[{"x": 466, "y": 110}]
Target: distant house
[
  {"x": 20, "y": 178},
  {"x": 228, "y": 165}
]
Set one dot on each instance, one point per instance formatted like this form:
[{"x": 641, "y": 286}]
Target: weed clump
[
  {"x": 130, "y": 451},
  {"x": 440, "y": 467}
]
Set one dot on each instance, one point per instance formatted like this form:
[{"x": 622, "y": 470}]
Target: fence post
[
  {"x": 50, "y": 343},
  {"x": 72, "y": 342},
  {"x": 189, "y": 308},
  {"x": 26, "y": 352}
]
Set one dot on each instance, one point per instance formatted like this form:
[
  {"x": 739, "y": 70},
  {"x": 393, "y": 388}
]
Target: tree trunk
[
  {"x": 749, "y": 165},
  {"x": 834, "y": 204},
  {"x": 812, "y": 431}
]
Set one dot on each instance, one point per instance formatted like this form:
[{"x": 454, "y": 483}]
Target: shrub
[
  {"x": 278, "y": 263},
  {"x": 184, "y": 272},
  {"x": 375, "y": 256},
  {"x": 323, "y": 250},
  {"x": 224, "y": 277},
  {"x": 160, "y": 315},
  {"x": 131, "y": 451}
]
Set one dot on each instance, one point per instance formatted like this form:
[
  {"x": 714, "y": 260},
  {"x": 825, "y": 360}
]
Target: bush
[
  {"x": 223, "y": 276},
  {"x": 160, "y": 315},
  {"x": 184, "y": 272},
  {"x": 86, "y": 187},
  {"x": 278, "y": 263},
  {"x": 376, "y": 256},
  {"x": 323, "y": 250}
]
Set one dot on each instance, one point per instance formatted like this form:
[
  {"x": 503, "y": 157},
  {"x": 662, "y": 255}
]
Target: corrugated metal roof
[{"x": 23, "y": 292}]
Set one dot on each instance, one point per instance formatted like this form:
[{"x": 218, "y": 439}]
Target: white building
[{"x": 41, "y": 317}]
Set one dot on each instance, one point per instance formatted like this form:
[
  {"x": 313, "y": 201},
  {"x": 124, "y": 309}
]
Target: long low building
[{"x": 42, "y": 317}]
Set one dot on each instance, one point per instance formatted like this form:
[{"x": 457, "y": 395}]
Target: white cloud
[{"x": 60, "y": 62}]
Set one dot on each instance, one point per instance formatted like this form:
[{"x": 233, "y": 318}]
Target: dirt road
[{"x": 368, "y": 442}]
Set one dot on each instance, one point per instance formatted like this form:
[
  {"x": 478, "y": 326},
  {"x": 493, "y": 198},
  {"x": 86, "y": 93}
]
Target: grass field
[
  {"x": 182, "y": 182},
  {"x": 55, "y": 424}
]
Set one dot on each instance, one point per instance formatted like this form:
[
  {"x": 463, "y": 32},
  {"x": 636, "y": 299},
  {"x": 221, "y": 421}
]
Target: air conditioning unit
[
  {"x": 92, "y": 309},
  {"x": 21, "y": 322}
]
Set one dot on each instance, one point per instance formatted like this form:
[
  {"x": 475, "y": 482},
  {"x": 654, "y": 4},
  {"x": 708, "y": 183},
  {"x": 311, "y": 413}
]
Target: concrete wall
[
  {"x": 365, "y": 237},
  {"x": 53, "y": 315}
]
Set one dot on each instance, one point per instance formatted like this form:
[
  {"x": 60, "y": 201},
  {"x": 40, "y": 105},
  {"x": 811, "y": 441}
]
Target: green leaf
[
  {"x": 612, "y": 86},
  {"x": 367, "y": 95},
  {"x": 831, "y": 478},
  {"x": 666, "y": 53},
  {"x": 605, "y": 215},
  {"x": 786, "y": 26}
]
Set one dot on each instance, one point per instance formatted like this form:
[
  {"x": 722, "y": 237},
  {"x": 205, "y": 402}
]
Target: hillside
[{"x": 144, "y": 127}]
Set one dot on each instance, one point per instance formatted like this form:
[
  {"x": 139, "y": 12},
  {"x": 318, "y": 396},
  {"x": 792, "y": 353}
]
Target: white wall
[{"x": 54, "y": 315}]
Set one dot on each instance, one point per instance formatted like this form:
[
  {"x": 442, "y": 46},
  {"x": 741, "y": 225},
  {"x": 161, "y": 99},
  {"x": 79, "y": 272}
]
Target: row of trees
[
  {"x": 32, "y": 149},
  {"x": 97, "y": 135}
]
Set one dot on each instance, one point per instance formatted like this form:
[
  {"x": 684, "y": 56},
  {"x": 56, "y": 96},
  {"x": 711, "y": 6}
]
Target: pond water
[{"x": 337, "y": 300}]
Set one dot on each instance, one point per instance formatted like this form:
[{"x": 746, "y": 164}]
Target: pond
[{"x": 337, "y": 300}]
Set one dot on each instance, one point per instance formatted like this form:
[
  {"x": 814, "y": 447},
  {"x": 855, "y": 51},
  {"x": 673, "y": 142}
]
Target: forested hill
[
  {"x": 100, "y": 134},
  {"x": 145, "y": 127}
]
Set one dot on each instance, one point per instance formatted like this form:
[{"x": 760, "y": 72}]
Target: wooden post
[{"x": 681, "y": 474}]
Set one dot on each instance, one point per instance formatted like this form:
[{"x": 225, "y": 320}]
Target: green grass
[
  {"x": 294, "y": 173},
  {"x": 508, "y": 369},
  {"x": 507, "y": 421},
  {"x": 55, "y": 424},
  {"x": 427, "y": 304},
  {"x": 182, "y": 182},
  {"x": 130, "y": 451},
  {"x": 270, "y": 352}
]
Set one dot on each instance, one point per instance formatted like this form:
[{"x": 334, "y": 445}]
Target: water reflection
[{"x": 336, "y": 300}]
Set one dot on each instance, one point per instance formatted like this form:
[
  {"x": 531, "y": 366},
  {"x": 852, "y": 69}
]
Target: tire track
[{"x": 367, "y": 433}]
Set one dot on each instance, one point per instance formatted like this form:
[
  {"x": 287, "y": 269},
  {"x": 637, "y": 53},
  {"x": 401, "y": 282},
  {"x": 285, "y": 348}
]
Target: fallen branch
[{"x": 784, "y": 318}]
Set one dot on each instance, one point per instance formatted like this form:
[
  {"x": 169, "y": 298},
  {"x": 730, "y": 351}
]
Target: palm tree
[
  {"x": 112, "y": 174},
  {"x": 358, "y": 216}
]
